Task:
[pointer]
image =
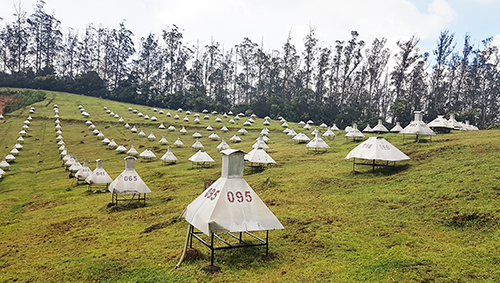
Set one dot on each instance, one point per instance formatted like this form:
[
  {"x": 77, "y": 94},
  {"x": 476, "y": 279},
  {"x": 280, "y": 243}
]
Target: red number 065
[
  {"x": 239, "y": 196},
  {"x": 130, "y": 178}
]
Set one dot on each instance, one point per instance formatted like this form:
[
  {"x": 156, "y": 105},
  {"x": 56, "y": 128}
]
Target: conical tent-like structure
[
  {"x": 368, "y": 129},
  {"x": 223, "y": 145},
  {"x": 380, "y": 128},
  {"x": 301, "y": 138},
  {"x": 197, "y": 144},
  {"x": 84, "y": 172},
  {"x": 260, "y": 143},
  {"x": 230, "y": 205},
  {"x": 147, "y": 154},
  {"x": 397, "y": 128},
  {"x": 354, "y": 133},
  {"x": 258, "y": 157},
  {"x": 178, "y": 142},
  {"x": 99, "y": 178},
  {"x": 417, "y": 127},
  {"x": 317, "y": 144},
  {"x": 456, "y": 125},
  {"x": 329, "y": 133},
  {"x": 4, "y": 164},
  {"x": 132, "y": 151},
  {"x": 201, "y": 159},
  {"x": 376, "y": 149},
  {"x": 121, "y": 149},
  {"x": 168, "y": 157},
  {"x": 128, "y": 185},
  {"x": 440, "y": 124}
]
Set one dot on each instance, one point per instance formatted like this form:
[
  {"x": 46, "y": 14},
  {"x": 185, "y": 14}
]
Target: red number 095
[{"x": 239, "y": 196}]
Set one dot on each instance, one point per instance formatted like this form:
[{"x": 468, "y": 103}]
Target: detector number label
[
  {"x": 212, "y": 194},
  {"x": 239, "y": 197},
  {"x": 231, "y": 196},
  {"x": 130, "y": 178}
]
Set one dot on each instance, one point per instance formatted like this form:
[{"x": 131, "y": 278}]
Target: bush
[{"x": 23, "y": 98}]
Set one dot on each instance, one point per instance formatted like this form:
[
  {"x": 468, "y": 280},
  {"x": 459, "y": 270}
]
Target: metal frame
[
  {"x": 102, "y": 187},
  {"x": 115, "y": 198},
  {"x": 241, "y": 243},
  {"x": 417, "y": 138},
  {"x": 78, "y": 180},
  {"x": 373, "y": 164},
  {"x": 258, "y": 166},
  {"x": 317, "y": 150},
  {"x": 201, "y": 164},
  {"x": 168, "y": 162},
  {"x": 354, "y": 139}
]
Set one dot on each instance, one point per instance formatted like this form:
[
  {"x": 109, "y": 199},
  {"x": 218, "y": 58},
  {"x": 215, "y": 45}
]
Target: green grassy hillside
[{"x": 435, "y": 218}]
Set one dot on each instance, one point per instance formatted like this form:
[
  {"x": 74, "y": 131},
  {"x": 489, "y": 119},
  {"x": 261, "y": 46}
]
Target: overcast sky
[{"x": 270, "y": 21}]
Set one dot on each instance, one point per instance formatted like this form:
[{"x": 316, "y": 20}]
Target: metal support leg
[
  {"x": 267, "y": 242},
  {"x": 190, "y": 236},
  {"x": 212, "y": 248}
]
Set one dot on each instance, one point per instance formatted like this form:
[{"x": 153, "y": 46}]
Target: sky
[{"x": 269, "y": 22}]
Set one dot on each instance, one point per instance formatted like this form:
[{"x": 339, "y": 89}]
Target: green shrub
[{"x": 23, "y": 98}]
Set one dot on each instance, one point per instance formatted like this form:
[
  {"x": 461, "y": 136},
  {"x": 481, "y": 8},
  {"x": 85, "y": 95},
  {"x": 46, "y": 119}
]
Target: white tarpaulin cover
[
  {"x": 129, "y": 181},
  {"x": 380, "y": 128},
  {"x": 132, "y": 151},
  {"x": 151, "y": 137},
  {"x": 235, "y": 138},
  {"x": 260, "y": 143},
  {"x": 329, "y": 133},
  {"x": 75, "y": 166},
  {"x": 169, "y": 156},
  {"x": 121, "y": 149},
  {"x": 200, "y": 157},
  {"x": 317, "y": 143},
  {"x": 214, "y": 136},
  {"x": 397, "y": 128},
  {"x": 163, "y": 140},
  {"x": 418, "y": 127},
  {"x": 99, "y": 175},
  {"x": 147, "y": 154},
  {"x": 4, "y": 164},
  {"x": 301, "y": 137},
  {"x": 230, "y": 204},
  {"x": 456, "y": 125},
  {"x": 440, "y": 122},
  {"x": 112, "y": 144},
  {"x": 354, "y": 132},
  {"x": 84, "y": 171},
  {"x": 10, "y": 157},
  {"x": 368, "y": 129},
  {"x": 178, "y": 142},
  {"x": 223, "y": 145},
  {"x": 197, "y": 144},
  {"x": 377, "y": 148},
  {"x": 259, "y": 155}
]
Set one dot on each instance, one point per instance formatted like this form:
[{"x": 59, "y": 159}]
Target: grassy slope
[{"x": 435, "y": 218}]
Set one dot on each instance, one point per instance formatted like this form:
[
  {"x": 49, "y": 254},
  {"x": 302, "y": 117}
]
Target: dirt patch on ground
[{"x": 4, "y": 99}]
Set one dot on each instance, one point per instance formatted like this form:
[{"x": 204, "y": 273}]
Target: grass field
[{"x": 435, "y": 218}]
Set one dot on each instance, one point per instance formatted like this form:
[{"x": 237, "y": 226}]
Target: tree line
[{"x": 347, "y": 82}]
